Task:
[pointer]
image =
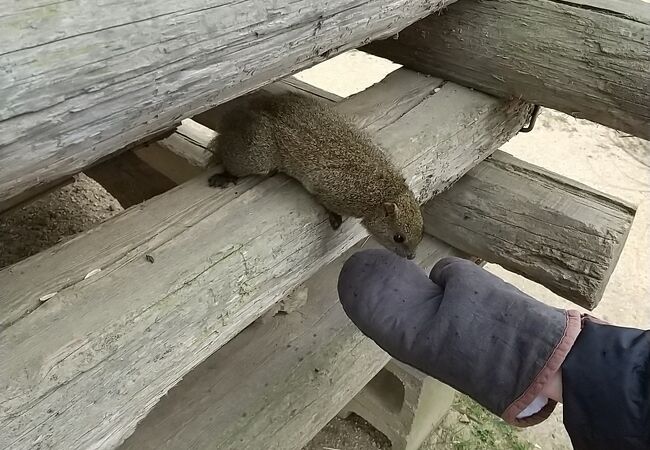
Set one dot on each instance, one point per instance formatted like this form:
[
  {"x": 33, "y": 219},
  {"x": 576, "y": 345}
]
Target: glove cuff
[{"x": 553, "y": 364}]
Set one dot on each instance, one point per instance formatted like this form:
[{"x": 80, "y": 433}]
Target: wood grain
[
  {"x": 541, "y": 225},
  {"x": 81, "y": 80},
  {"x": 587, "y": 58},
  {"x": 83, "y": 368}
]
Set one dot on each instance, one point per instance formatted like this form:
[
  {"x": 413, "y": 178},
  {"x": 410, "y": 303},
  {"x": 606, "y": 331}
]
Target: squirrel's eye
[{"x": 398, "y": 238}]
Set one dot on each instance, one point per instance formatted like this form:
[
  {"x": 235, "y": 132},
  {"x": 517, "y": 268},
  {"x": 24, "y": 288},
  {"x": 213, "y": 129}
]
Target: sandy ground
[{"x": 594, "y": 155}]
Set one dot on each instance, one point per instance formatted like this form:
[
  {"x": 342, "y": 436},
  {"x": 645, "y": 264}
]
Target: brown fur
[{"x": 334, "y": 161}]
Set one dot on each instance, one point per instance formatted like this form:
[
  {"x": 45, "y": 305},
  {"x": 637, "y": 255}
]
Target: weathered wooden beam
[
  {"x": 302, "y": 87},
  {"x": 190, "y": 142},
  {"x": 278, "y": 383},
  {"x": 548, "y": 228},
  {"x": 182, "y": 274},
  {"x": 572, "y": 262},
  {"x": 587, "y": 58},
  {"x": 80, "y": 81}
]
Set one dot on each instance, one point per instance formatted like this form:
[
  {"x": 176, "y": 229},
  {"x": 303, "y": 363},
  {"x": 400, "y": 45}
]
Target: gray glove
[{"x": 461, "y": 325}]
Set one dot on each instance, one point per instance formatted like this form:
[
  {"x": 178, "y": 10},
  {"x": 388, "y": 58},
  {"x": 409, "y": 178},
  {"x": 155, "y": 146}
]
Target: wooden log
[
  {"x": 276, "y": 384},
  {"x": 108, "y": 322},
  {"x": 550, "y": 229},
  {"x": 587, "y": 58},
  {"x": 79, "y": 81}
]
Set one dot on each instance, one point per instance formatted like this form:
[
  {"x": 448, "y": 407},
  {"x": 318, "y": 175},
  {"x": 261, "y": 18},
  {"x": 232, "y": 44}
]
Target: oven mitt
[{"x": 461, "y": 325}]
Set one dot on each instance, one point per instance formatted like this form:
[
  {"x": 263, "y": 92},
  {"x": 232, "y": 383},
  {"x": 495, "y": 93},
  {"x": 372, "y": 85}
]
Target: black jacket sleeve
[{"x": 606, "y": 388}]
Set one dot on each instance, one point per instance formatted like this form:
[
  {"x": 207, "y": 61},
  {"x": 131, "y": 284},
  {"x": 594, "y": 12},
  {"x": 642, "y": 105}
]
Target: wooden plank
[
  {"x": 79, "y": 81},
  {"x": 276, "y": 384},
  {"x": 587, "y": 58},
  {"x": 129, "y": 179},
  {"x": 190, "y": 142},
  {"x": 168, "y": 163},
  {"x": 114, "y": 343},
  {"x": 548, "y": 228},
  {"x": 301, "y": 86}
]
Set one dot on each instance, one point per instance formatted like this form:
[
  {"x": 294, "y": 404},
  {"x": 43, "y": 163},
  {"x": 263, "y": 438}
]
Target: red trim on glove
[{"x": 559, "y": 354}]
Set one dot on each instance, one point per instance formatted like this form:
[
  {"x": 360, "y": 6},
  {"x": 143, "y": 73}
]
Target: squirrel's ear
[{"x": 391, "y": 209}]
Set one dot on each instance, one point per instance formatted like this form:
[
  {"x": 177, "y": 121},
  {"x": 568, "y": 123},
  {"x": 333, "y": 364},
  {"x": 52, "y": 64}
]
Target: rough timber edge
[{"x": 550, "y": 229}]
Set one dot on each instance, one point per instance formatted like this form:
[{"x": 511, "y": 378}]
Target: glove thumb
[{"x": 389, "y": 298}]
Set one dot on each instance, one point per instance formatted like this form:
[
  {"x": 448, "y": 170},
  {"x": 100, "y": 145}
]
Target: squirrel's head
[{"x": 397, "y": 224}]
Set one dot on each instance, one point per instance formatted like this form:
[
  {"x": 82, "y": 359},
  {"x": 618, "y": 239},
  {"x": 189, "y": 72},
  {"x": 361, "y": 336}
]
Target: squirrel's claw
[
  {"x": 335, "y": 220},
  {"x": 221, "y": 180}
]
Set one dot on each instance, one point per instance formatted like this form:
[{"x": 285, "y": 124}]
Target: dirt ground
[
  {"x": 52, "y": 218},
  {"x": 589, "y": 153}
]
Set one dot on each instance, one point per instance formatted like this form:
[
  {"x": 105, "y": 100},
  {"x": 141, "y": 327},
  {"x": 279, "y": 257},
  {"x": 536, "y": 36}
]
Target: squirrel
[{"x": 264, "y": 133}]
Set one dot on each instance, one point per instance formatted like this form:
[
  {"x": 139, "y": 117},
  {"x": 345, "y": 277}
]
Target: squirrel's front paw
[
  {"x": 221, "y": 180},
  {"x": 335, "y": 220}
]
